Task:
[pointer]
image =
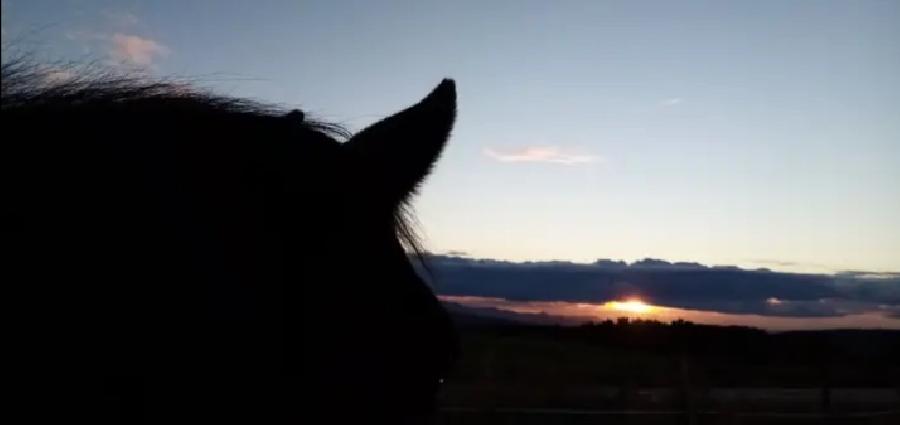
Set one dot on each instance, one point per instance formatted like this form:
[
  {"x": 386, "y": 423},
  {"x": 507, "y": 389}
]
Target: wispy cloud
[
  {"x": 118, "y": 40},
  {"x": 791, "y": 265},
  {"x": 135, "y": 50},
  {"x": 548, "y": 154},
  {"x": 457, "y": 253},
  {"x": 672, "y": 101}
]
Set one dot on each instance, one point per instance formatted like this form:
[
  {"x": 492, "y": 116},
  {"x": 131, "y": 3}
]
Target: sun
[{"x": 631, "y": 306}]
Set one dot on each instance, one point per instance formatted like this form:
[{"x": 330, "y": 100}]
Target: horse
[{"x": 186, "y": 257}]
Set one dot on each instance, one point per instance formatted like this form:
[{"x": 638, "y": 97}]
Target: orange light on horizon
[{"x": 630, "y": 306}]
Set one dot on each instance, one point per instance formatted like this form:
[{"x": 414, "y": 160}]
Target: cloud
[
  {"x": 791, "y": 264},
  {"x": 672, "y": 101},
  {"x": 121, "y": 48},
  {"x": 479, "y": 310},
  {"x": 457, "y": 253},
  {"x": 547, "y": 154},
  {"x": 136, "y": 50},
  {"x": 683, "y": 285}
]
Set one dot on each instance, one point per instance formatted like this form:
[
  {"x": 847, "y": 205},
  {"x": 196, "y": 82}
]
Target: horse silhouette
[{"x": 187, "y": 257}]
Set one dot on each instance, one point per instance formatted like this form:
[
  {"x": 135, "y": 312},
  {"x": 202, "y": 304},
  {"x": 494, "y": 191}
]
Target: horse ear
[{"x": 397, "y": 153}]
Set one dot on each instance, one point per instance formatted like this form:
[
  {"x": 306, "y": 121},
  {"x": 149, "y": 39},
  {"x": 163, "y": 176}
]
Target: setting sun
[{"x": 631, "y": 306}]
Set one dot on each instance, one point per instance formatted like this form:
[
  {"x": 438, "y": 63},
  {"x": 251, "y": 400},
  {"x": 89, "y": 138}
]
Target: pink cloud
[
  {"x": 551, "y": 154},
  {"x": 135, "y": 50}
]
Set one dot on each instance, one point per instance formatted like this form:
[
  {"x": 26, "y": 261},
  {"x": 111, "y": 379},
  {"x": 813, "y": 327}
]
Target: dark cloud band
[{"x": 682, "y": 285}]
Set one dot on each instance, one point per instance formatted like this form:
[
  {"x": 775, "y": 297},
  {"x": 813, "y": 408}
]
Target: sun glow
[{"x": 631, "y": 306}]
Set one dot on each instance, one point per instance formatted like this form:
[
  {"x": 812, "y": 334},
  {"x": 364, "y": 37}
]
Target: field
[{"x": 650, "y": 372}]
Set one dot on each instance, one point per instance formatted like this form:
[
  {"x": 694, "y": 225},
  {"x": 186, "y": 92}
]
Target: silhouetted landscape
[{"x": 718, "y": 374}]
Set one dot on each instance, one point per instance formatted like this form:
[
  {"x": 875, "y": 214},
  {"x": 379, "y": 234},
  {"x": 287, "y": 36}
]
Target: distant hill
[{"x": 488, "y": 316}]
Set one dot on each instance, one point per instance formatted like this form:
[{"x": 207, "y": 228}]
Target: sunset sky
[{"x": 759, "y": 134}]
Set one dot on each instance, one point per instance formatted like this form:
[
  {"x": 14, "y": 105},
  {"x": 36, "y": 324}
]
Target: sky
[{"x": 756, "y": 134}]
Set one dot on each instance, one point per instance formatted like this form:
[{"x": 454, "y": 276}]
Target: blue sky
[{"x": 760, "y": 133}]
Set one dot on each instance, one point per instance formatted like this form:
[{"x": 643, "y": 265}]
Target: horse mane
[{"x": 27, "y": 85}]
